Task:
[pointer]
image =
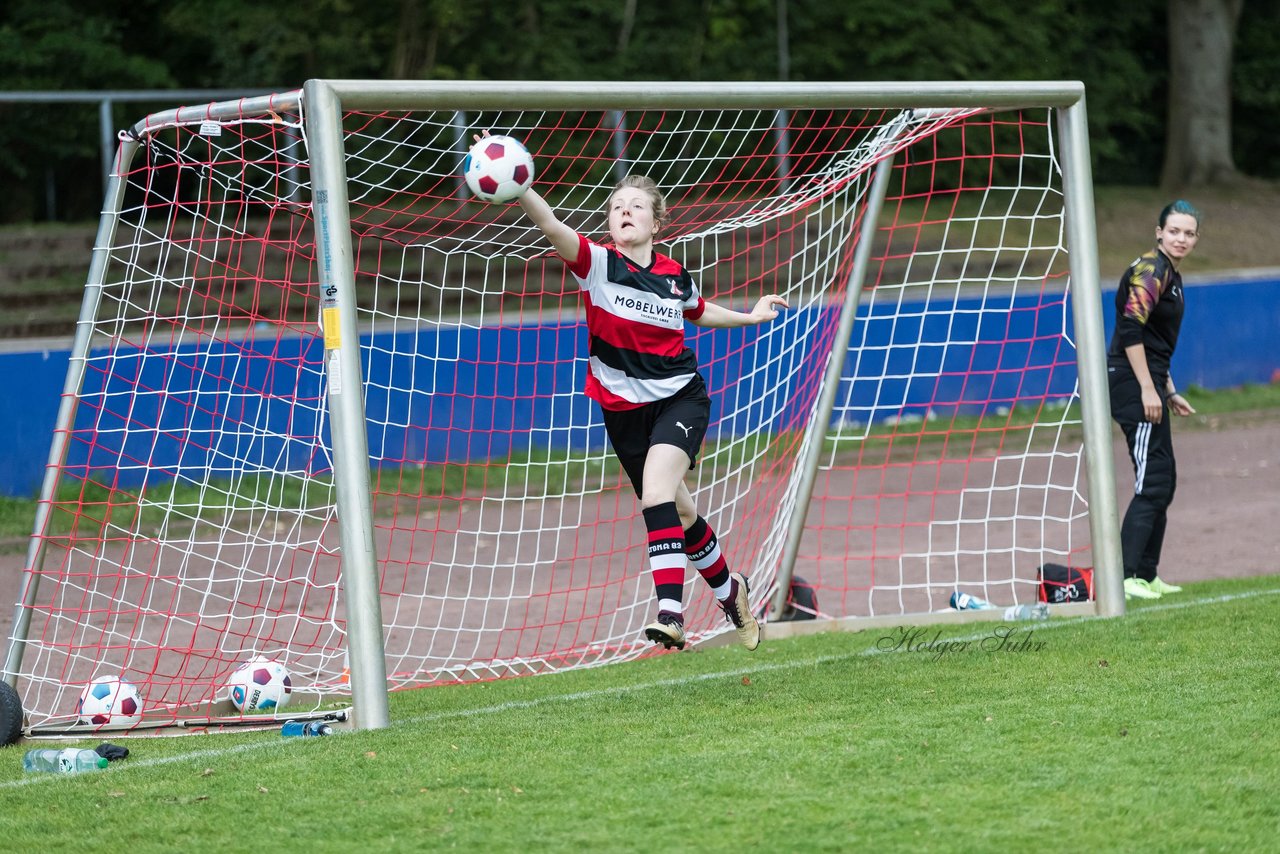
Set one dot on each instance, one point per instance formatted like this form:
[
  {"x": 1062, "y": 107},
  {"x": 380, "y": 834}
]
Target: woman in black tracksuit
[{"x": 1149, "y": 310}]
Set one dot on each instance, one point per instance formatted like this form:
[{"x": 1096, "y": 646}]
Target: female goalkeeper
[
  {"x": 1149, "y": 310},
  {"x": 645, "y": 378}
]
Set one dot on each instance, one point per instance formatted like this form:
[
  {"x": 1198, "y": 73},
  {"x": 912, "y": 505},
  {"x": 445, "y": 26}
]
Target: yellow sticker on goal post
[{"x": 332, "y": 330}]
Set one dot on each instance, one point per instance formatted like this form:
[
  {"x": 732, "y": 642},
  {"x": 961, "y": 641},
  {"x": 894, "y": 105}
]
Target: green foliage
[
  {"x": 61, "y": 44},
  {"x": 1118, "y": 50},
  {"x": 274, "y": 45},
  {"x": 1048, "y": 737},
  {"x": 57, "y": 45},
  {"x": 1256, "y": 90},
  {"x": 935, "y": 40}
]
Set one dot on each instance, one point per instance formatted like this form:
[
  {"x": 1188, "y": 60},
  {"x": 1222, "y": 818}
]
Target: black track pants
[{"x": 1155, "y": 476}]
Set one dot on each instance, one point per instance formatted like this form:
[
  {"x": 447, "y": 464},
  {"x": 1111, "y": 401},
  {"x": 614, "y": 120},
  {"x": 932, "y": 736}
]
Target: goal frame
[{"x": 322, "y": 104}]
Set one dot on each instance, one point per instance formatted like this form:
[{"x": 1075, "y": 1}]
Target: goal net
[{"x": 191, "y": 518}]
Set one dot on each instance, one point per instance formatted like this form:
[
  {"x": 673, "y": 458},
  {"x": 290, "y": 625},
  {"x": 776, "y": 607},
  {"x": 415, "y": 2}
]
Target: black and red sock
[
  {"x": 703, "y": 549},
  {"x": 666, "y": 555}
]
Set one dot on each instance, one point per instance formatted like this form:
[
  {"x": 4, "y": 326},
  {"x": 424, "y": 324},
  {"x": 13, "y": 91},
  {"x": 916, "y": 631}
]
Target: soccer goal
[{"x": 323, "y": 407}]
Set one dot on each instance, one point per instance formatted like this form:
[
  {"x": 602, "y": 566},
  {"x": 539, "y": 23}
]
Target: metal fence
[{"x": 104, "y": 102}]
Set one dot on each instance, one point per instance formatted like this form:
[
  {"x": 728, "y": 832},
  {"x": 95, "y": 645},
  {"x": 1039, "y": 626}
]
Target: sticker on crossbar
[
  {"x": 335, "y": 373},
  {"x": 332, "y": 330}
]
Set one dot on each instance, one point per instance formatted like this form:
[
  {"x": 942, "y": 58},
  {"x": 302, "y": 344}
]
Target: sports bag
[{"x": 1060, "y": 583}]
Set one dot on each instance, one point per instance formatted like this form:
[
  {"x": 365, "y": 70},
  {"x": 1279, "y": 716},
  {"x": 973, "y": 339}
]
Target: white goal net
[{"x": 195, "y": 520}]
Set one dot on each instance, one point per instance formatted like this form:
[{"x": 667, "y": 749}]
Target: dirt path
[{"x": 1223, "y": 522}]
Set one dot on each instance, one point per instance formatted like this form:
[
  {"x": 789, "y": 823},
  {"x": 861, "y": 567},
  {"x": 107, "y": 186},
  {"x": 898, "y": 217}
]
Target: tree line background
[{"x": 1150, "y": 67}]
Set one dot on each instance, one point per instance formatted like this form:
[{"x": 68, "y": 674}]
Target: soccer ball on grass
[
  {"x": 498, "y": 169},
  {"x": 109, "y": 701},
  {"x": 260, "y": 685}
]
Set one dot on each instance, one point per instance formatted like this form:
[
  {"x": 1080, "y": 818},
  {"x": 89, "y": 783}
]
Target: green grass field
[{"x": 1150, "y": 732}]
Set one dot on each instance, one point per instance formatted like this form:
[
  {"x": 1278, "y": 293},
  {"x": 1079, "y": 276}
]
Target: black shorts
[{"x": 679, "y": 420}]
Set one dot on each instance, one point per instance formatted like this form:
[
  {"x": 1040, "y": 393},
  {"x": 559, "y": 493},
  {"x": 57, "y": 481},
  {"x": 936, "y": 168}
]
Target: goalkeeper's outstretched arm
[
  {"x": 719, "y": 317},
  {"x": 564, "y": 240}
]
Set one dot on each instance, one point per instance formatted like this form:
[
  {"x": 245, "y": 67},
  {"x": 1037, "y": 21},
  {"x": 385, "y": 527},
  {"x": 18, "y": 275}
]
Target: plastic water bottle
[
  {"x": 69, "y": 760},
  {"x": 1038, "y": 611},
  {"x": 965, "y": 602},
  {"x": 305, "y": 728}
]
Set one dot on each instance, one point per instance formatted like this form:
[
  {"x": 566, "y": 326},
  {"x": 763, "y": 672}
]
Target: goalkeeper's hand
[{"x": 767, "y": 308}]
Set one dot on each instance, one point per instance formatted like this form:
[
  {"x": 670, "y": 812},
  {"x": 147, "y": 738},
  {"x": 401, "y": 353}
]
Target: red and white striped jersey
[{"x": 635, "y": 320}]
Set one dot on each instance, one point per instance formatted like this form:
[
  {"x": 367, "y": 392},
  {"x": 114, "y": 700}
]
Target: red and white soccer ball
[
  {"x": 498, "y": 169},
  {"x": 109, "y": 701},
  {"x": 260, "y": 685}
]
